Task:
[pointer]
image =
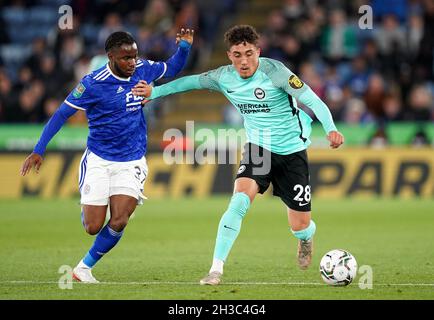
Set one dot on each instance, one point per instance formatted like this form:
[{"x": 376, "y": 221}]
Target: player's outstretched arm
[
  {"x": 207, "y": 80},
  {"x": 34, "y": 160},
  {"x": 176, "y": 86}
]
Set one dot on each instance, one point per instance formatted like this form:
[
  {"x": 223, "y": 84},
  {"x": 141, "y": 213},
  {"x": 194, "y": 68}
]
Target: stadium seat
[
  {"x": 55, "y": 3},
  {"x": 90, "y": 32},
  {"x": 15, "y": 53},
  {"x": 42, "y": 30},
  {"x": 13, "y": 16},
  {"x": 43, "y": 15},
  {"x": 13, "y": 56}
]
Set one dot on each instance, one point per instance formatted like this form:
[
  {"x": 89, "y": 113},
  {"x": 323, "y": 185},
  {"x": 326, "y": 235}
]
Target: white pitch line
[{"x": 225, "y": 283}]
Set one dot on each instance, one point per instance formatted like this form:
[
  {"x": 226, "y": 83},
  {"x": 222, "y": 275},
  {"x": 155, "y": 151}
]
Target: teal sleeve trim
[
  {"x": 320, "y": 109},
  {"x": 179, "y": 85}
]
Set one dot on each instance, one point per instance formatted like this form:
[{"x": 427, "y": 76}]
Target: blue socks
[
  {"x": 106, "y": 239},
  {"x": 230, "y": 225},
  {"x": 307, "y": 233}
]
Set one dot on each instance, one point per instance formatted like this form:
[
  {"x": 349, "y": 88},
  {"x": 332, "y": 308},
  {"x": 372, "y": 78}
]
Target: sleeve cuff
[
  {"x": 39, "y": 151},
  {"x": 183, "y": 44}
]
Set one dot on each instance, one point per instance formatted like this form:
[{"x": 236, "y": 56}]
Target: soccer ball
[{"x": 338, "y": 267}]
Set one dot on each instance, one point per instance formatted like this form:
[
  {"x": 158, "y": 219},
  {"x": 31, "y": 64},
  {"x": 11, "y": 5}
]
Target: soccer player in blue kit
[{"x": 113, "y": 167}]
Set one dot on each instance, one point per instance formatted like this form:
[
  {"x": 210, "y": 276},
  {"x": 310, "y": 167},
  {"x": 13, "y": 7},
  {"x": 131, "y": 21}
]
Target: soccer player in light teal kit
[{"x": 265, "y": 92}]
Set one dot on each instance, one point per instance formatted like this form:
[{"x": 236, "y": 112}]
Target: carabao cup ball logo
[{"x": 259, "y": 93}]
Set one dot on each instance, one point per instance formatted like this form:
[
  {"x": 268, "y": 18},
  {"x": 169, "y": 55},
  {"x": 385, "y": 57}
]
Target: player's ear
[
  {"x": 110, "y": 55},
  {"x": 229, "y": 55}
]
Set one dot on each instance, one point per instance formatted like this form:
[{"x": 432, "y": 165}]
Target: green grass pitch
[{"x": 168, "y": 247}]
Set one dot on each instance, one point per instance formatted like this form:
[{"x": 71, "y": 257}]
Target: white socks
[
  {"x": 81, "y": 264},
  {"x": 217, "y": 265}
]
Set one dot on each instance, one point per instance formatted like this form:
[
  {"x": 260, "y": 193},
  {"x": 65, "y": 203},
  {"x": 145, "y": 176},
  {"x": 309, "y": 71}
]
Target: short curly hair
[
  {"x": 117, "y": 39},
  {"x": 241, "y": 34}
]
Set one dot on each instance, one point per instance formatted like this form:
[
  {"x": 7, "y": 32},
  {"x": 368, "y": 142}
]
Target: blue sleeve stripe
[{"x": 73, "y": 105}]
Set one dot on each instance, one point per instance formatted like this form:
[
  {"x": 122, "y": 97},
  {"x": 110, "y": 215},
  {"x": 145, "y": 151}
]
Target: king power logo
[{"x": 133, "y": 102}]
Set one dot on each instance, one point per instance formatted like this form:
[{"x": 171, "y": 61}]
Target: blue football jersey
[{"x": 117, "y": 126}]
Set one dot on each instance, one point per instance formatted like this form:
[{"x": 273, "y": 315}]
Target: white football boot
[
  {"x": 212, "y": 279},
  {"x": 83, "y": 274}
]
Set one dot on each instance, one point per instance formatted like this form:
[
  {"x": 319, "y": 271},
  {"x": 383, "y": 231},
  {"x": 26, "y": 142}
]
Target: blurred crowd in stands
[
  {"x": 380, "y": 74},
  {"x": 40, "y": 63}
]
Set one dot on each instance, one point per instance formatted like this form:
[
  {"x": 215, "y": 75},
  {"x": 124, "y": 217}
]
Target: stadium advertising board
[{"x": 358, "y": 172}]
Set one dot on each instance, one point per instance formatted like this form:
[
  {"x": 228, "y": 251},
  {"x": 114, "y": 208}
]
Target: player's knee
[
  {"x": 92, "y": 229},
  {"x": 247, "y": 186},
  {"x": 118, "y": 223}
]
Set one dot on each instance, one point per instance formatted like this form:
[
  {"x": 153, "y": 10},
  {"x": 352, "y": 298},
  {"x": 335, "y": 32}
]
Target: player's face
[
  {"x": 245, "y": 58},
  {"x": 123, "y": 60}
]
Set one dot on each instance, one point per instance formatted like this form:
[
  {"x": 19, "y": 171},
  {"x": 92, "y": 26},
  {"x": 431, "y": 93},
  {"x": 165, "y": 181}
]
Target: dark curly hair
[
  {"x": 117, "y": 39},
  {"x": 241, "y": 34}
]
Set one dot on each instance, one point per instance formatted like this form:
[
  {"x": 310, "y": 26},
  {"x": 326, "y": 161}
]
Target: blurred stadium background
[{"x": 378, "y": 84}]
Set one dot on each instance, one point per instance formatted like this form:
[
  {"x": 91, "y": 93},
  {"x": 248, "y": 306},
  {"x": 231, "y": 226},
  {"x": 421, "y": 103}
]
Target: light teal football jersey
[{"x": 267, "y": 101}]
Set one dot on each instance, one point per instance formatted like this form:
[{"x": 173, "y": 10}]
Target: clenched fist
[{"x": 336, "y": 139}]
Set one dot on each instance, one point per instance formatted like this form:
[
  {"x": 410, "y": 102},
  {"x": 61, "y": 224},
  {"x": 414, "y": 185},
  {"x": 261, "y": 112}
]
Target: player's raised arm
[{"x": 184, "y": 40}]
